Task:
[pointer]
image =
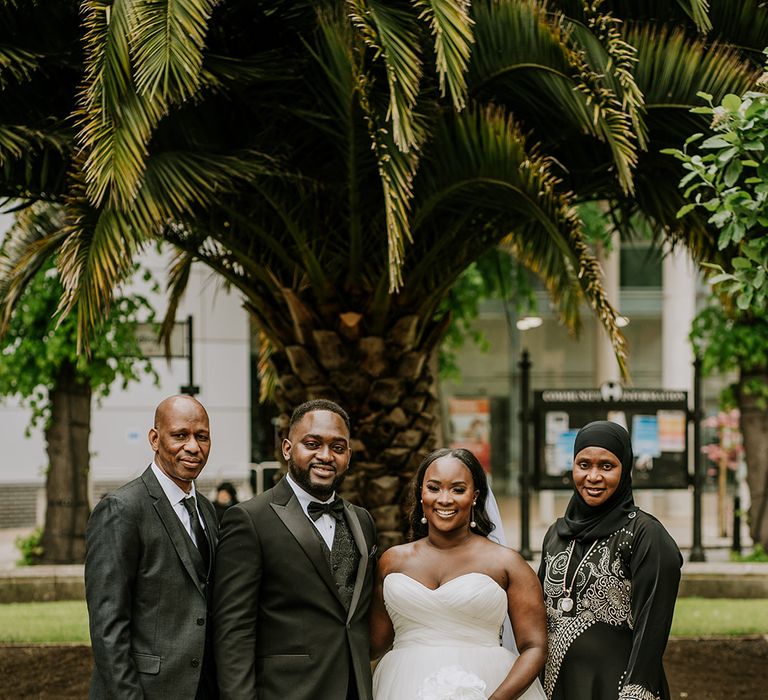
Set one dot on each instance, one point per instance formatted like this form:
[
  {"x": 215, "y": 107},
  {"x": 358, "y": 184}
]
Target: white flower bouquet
[{"x": 452, "y": 683}]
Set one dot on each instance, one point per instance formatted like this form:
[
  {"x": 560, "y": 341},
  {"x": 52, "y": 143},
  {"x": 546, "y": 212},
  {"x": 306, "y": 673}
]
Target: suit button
[
  {"x": 201, "y": 621},
  {"x": 195, "y": 663}
]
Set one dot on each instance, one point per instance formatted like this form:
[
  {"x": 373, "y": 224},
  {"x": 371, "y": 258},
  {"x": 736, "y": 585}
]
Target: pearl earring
[
  {"x": 423, "y": 517},
  {"x": 472, "y": 522}
]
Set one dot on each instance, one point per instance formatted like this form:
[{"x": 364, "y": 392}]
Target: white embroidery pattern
[
  {"x": 602, "y": 593},
  {"x": 637, "y": 692}
]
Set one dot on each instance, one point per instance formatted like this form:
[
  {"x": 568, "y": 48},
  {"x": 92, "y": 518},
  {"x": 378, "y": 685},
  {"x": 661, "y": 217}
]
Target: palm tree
[{"x": 340, "y": 164}]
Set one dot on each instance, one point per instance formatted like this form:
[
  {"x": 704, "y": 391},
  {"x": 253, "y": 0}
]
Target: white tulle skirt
[{"x": 445, "y": 673}]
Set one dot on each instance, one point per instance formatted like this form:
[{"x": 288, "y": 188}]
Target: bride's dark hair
[{"x": 417, "y": 529}]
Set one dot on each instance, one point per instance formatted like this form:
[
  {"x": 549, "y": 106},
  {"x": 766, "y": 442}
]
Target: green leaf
[
  {"x": 685, "y": 209},
  {"x": 727, "y": 154},
  {"x": 720, "y": 217},
  {"x": 715, "y": 142},
  {"x": 731, "y": 102},
  {"x": 724, "y": 277},
  {"x": 745, "y": 299},
  {"x": 732, "y": 172}
]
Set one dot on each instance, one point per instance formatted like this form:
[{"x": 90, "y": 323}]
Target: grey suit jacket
[
  {"x": 147, "y": 595},
  {"x": 281, "y": 631}
]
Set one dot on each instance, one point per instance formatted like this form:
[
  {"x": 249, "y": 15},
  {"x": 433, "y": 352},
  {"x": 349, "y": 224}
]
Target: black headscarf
[{"x": 586, "y": 523}]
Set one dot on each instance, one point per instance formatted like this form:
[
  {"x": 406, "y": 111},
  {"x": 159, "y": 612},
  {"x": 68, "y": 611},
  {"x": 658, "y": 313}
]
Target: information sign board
[{"x": 657, "y": 421}]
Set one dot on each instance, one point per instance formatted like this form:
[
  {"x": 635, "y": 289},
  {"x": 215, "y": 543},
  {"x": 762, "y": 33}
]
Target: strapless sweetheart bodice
[{"x": 466, "y": 610}]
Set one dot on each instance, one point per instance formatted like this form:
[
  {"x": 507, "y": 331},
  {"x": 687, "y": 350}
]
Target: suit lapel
[
  {"x": 288, "y": 509},
  {"x": 173, "y": 526},
  {"x": 362, "y": 546},
  {"x": 211, "y": 529}
]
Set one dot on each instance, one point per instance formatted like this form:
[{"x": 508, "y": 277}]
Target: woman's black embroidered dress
[{"x": 610, "y": 645}]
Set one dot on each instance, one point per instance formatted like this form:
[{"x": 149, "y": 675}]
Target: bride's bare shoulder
[
  {"x": 396, "y": 558},
  {"x": 508, "y": 557}
]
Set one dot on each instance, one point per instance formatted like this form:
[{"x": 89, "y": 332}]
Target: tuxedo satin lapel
[
  {"x": 303, "y": 531},
  {"x": 173, "y": 527},
  {"x": 362, "y": 546}
]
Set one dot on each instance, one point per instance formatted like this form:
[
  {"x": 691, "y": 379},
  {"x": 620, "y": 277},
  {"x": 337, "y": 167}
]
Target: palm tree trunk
[
  {"x": 754, "y": 430},
  {"x": 387, "y": 386},
  {"x": 67, "y": 437}
]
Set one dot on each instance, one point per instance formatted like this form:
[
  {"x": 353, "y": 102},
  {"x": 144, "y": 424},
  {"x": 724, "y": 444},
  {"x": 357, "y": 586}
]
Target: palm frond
[
  {"x": 17, "y": 64},
  {"x": 561, "y": 68},
  {"x": 18, "y": 139},
  {"x": 268, "y": 379},
  {"x": 673, "y": 67},
  {"x": 451, "y": 26},
  {"x": 115, "y": 123},
  {"x": 177, "y": 183},
  {"x": 219, "y": 72},
  {"x": 179, "y": 271},
  {"x": 393, "y": 36},
  {"x": 95, "y": 257},
  {"x": 167, "y": 47},
  {"x": 480, "y": 183},
  {"x": 698, "y": 11},
  {"x": 743, "y": 24},
  {"x": 618, "y": 69},
  {"x": 336, "y": 90},
  {"x": 397, "y": 170},
  {"x": 28, "y": 245}
]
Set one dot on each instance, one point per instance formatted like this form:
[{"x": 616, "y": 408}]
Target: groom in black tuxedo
[{"x": 294, "y": 573}]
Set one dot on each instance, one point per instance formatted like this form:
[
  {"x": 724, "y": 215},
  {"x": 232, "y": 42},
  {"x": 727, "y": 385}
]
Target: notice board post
[
  {"x": 697, "y": 550},
  {"x": 525, "y": 472},
  {"x": 190, "y": 387}
]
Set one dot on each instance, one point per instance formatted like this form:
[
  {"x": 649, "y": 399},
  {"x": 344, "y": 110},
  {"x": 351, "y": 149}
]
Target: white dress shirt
[
  {"x": 325, "y": 524},
  {"x": 175, "y": 496}
]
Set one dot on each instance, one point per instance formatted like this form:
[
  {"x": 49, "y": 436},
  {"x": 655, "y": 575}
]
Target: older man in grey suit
[
  {"x": 294, "y": 576},
  {"x": 149, "y": 550}
]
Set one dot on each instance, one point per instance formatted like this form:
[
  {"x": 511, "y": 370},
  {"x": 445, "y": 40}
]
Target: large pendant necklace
[{"x": 566, "y": 602}]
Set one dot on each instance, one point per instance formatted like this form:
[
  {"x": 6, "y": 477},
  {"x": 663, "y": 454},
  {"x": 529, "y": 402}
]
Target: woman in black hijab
[{"x": 610, "y": 574}]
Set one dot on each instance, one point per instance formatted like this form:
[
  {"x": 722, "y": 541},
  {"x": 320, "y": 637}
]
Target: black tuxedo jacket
[
  {"x": 281, "y": 631},
  {"x": 147, "y": 595}
]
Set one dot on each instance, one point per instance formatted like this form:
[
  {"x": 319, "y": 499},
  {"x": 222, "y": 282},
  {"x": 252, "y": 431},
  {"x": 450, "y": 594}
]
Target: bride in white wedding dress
[{"x": 441, "y": 600}]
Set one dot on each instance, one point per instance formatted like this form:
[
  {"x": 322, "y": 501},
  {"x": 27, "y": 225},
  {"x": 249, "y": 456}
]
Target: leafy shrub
[{"x": 30, "y": 547}]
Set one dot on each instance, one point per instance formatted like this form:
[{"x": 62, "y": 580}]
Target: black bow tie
[{"x": 335, "y": 509}]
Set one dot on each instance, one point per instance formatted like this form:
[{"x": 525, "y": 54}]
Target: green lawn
[
  {"x": 720, "y": 616},
  {"x": 58, "y": 621},
  {"x": 67, "y": 621}
]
